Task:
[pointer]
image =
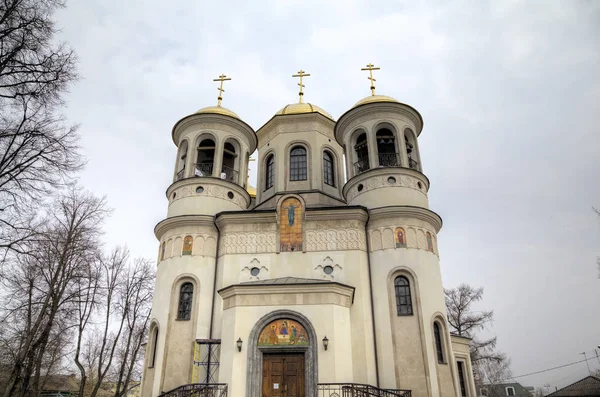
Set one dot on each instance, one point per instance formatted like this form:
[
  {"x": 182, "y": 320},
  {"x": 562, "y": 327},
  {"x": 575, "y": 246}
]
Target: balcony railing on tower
[
  {"x": 198, "y": 390},
  {"x": 203, "y": 169},
  {"x": 229, "y": 174},
  {"x": 180, "y": 174},
  {"x": 413, "y": 164},
  {"x": 361, "y": 165},
  {"x": 389, "y": 159},
  {"x": 357, "y": 390}
]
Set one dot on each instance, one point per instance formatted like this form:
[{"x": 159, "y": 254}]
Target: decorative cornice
[
  {"x": 182, "y": 220},
  {"x": 245, "y": 217},
  {"x": 336, "y": 213},
  {"x": 207, "y": 118},
  {"x": 404, "y": 211},
  {"x": 311, "y": 121},
  {"x": 392, "y": 107},
  {"x": 289, "y": 294}
]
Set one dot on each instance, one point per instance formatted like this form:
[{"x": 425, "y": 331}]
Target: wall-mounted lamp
[
  {"x": 239, "y": 344},
  {"x": 325, "y": 342}
]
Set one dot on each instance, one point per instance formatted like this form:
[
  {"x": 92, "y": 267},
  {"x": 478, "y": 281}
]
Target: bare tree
[
  {"x": 492, "y": 374},
  {"x": 466, "y": 322},
  {"x": 41, "y": 288},
  {"x": 38, "y": 149}
]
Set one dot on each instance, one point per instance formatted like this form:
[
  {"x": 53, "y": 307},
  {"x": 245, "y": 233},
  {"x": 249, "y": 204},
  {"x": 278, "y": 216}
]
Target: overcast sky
[{"x": 510, "y": 95}]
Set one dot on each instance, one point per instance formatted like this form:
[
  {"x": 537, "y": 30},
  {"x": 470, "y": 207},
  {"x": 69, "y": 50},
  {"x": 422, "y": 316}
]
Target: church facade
[{"x": 324, "y": 281}]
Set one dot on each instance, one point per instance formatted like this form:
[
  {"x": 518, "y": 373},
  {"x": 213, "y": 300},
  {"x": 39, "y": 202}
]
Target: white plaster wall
[
  {"x": 202, "y": 267},
  {"x": 425, "y": 266},
  {"x": 350, "y": 268}
]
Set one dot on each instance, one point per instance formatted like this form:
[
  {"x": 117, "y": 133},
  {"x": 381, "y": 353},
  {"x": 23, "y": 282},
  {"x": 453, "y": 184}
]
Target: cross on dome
[
  {"x": 301, "y": 74},
  {"x": 221, "y": 78},
  {"x": 370, "y": 67}
]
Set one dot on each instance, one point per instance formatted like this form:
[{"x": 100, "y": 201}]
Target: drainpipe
[
  {"x": 212, "y": 308},
  {"x": 371, "y": 295}
]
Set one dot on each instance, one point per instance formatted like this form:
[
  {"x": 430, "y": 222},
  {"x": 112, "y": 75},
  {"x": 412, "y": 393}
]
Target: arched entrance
[{"x": 282, "y": 356}]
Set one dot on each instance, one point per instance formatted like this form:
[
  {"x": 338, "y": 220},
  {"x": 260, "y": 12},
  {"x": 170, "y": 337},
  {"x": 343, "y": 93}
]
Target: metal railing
[
  {"x": 357, "y": 390},
  {"x": 203, "y": 169},
  {"x": 413, "y": 164},
  {"x": 389, "y": 159},
  {"x": 198, "y": 390},
  {"x": 229, "y": 174},
  {"x": 180, "y": 174},
  {"x": 361, "y": 165}
]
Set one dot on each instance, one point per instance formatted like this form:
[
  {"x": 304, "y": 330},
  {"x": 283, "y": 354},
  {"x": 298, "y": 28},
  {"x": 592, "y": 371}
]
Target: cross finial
[
  {"x": 221, "y": 78},
  {"x": 301, "y": 74},
  {"x": 370, "y": 67}
]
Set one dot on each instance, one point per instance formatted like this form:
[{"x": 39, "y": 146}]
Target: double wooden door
[{"x": 283, "y": 375}]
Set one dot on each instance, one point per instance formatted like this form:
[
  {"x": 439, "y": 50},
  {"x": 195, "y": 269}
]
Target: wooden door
[{"x": 283, "y": 375}]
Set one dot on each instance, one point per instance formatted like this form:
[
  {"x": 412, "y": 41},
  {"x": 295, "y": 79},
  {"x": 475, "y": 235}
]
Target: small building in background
[{"x": 586, "y": 387}]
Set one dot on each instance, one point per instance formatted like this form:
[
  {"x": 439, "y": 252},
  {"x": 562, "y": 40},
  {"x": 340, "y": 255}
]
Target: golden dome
[
  {"x": 298, "y": 108},
  {"x": 251, "y": 191},
  {"x": 218, "y": 110},
  {"x": 375, "y": 98}
]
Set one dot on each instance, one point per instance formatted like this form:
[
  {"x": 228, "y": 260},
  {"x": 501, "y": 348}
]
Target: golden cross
[
  {"x": 301, "y": 74},
  {"x": 370, "y": 67},
  {"x": 221, "y": 78}
]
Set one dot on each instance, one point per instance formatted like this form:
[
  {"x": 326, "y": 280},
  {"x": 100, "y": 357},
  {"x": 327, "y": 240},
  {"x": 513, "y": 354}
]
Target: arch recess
[{"x": 255, "y": 353}]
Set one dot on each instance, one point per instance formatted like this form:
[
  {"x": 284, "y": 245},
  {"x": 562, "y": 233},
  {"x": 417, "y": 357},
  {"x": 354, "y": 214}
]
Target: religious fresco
[
  {"x": 283, "y": 332},
  {"x": 429, "y": 242},
  {"x": 290, "y": 225},
  {"x": 400, "y": 238},
  {"x": 188, "y": 245}
]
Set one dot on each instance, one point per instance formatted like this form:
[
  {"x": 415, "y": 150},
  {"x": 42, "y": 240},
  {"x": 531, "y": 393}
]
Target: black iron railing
[
  {"x": 389, "y": 159},
  {"x": 180, "y": 174},
  {"x": 357, "y": 390},
  {"x": 361, "y": 165},
  {"x": 229, "y": 174},
  {"x": 413, "y": 164},
  {"x": 203, "y": 169},
  {"x": 198, "y": 390}
]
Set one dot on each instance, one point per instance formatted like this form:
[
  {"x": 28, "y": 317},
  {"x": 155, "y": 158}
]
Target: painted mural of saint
[
  {"x": 272, "y": 336},
  {"x": 293, "y": 335},
  {"x": 291, "y": 209},
  {"x": 400, "y": 239},
  {"x": 284, "y": 329}
]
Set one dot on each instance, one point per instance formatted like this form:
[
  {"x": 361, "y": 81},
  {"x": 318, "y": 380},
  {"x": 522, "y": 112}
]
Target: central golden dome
[
  {"x": 375, "y": 98},
  {"x": 218, "y": 110},
  {"x": 299, "y": 108}
]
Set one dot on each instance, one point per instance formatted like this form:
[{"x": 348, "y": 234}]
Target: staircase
[
  {"x": 357, "y": 390},
  {"x": 198, "y": 390}
]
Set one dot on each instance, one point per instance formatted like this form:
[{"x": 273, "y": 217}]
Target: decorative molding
[
  {"x": 213, "y": 187},
  {"x": 382, "y": 238},
  {"x": 204, "y": 245},
  {"x": 214, "y": 122},
  {"x": 319, "y": 270},
  {"x": 204, "y": 221},
  {"x": 374, "y": 111},
  {"x": 263, "y": 273},
  {"x": 399, "y": 211},
  {"x": 319, "y": 293},
  {"x": 248, "y": 242},
  {"x": 377, "y": 178}
]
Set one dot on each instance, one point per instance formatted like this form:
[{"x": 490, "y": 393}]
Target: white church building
[{"x": 323, "y": 281}]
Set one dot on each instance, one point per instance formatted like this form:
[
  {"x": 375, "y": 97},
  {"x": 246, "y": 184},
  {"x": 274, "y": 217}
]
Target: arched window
[
  {"x": 154, "y": 344},
  {"x": 328, "y": 175},
  {"x": 206, "y": 158},
  {"x": 411, "y": 150},
  {"x": 270, "y": 172},
  {"x": 228, "y": 169},
  {"x": 163, "y": 248},
  {"x": 403, "y": 300},
  {"x": 386, "y": 148},
  {"x": 438, "y": 342},
  {"x": 185, "y": 301},
  {"x": 181, "y": 158},
  {"x": 362, "y": 154},
  {"x": 298, "y": 164}
]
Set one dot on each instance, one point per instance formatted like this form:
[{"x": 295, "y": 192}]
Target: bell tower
[
  {"x": 213, "y": 151},
  {"x": 385, "y": 175}
]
